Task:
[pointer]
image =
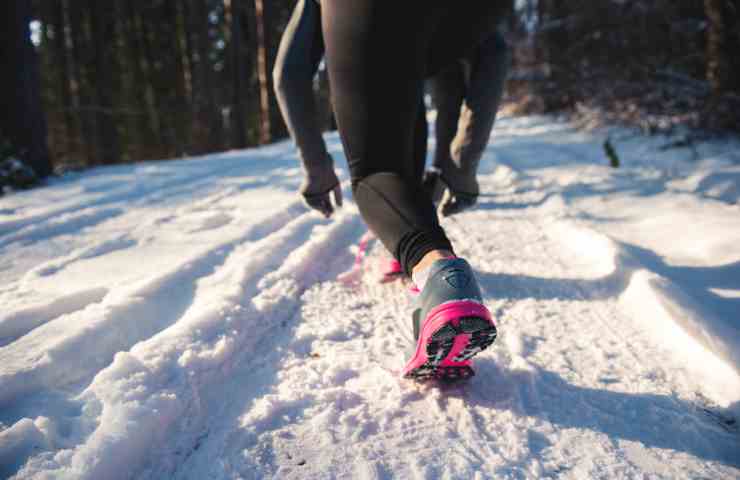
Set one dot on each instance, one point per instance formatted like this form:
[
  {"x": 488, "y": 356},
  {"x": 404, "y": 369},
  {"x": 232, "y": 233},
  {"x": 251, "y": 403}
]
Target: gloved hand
[{"x": 317, "y": 187}]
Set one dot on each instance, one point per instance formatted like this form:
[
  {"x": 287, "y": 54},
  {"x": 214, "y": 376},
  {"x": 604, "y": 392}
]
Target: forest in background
[
  {"x": 119, "y": 81},
  {"x": 134, "y": 80}
]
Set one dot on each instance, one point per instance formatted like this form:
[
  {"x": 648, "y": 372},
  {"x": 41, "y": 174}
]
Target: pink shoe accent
[
  {"x": 461, "y": 341},
  {"x": 391, "y": 271},
  {"x": 353, "y": 275},
  {"x": 393, "y": 266},
  {"x": 362, "y": 249},
  {"x": 438, "y": 317}
]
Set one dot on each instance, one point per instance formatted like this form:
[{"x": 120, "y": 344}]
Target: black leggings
[{"x": 378, "y": 53}]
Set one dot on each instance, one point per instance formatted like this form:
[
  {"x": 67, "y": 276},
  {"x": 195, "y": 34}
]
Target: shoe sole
[{"x": 449, "y": 343}]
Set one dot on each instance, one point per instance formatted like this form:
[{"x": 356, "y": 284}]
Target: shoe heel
[
  {"x": 452, "y": 335},
  {"x": 482, "y": 335}
]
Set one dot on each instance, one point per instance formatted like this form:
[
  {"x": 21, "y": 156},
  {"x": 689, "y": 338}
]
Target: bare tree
[
  {"x": 723, "y": 45},
  {"x": 22, "y": 119},
  {"x": 264, "y": 81}
]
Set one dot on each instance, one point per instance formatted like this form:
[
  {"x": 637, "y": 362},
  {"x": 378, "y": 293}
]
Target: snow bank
[
  {"x": 710, "y": 343},
  {"x": 720, "y": 182}
]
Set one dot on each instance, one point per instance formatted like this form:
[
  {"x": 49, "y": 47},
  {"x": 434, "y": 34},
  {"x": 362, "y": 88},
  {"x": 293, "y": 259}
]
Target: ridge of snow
[{"x": 691, "y": 329}]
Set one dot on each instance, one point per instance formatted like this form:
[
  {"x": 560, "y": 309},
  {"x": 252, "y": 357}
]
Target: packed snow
[{"x": 192, "y": 319}]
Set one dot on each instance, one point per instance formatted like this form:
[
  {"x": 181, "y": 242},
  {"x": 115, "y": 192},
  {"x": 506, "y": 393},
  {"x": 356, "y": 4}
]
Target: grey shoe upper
[{"x": 449, "y": 279}]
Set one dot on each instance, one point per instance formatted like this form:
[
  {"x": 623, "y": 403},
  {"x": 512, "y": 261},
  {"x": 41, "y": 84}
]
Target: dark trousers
[
  {"x": 466, "y": 95},
  {"x": 378, "y": 54}
]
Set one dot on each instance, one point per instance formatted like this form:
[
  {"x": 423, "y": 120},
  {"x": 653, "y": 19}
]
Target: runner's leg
[{"x": 377, "y": 55}]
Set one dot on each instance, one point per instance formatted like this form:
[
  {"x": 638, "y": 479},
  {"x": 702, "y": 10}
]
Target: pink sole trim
[{"x": 438, "y": 317}]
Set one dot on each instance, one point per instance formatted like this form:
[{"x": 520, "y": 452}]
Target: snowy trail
[
  {"x": 531, "y": 407},
  {"x": 188, "y": 323}
]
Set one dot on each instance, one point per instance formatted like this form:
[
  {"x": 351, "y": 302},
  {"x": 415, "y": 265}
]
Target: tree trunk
[
  {"x": 80, "y": 58},
  {"x": 207, "y": 103},
  {"x": 22, "y": 119},
  {"x": 104, "y": 35},
  {"x": 723, "y": 45},
  {"x": 153, "y": 94},
  {"x": 723, "y": 64},
  {"x": 239, "y": 128},
  {"x": 142, "y": 131},
  {"x": 178, "y": 101},
  {"x": 69, "y": 82},
  {"x": 264, "y": 82}
]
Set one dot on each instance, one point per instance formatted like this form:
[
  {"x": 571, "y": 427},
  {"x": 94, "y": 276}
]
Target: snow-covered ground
[{"x": 183, "y": 319}]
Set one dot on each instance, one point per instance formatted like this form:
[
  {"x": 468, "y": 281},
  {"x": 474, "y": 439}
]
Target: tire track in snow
[
  {"x": 65, "y": 224},
  {"x": 34, "y": 227},
  {"x": 78, "y": 344},
  {"x": 20, "y": 322},
  {"x": 275, "y": 300},
  {"x": 10, "y": 226},
  {"x": 176, "y": 368},
  {"x": 100, "y": 248},
  {"x": 265, "y": 322},
  {"x": 89, "y": 420}
]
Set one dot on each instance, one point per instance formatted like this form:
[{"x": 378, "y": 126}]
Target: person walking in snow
[
  {"x": 469, "y": 89},
  {"x": 378, "y": 54}
]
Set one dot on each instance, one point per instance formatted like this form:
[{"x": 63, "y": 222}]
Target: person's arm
[
  {"x": 299, "y": 55},
  {"x": 488, "y": 70}
]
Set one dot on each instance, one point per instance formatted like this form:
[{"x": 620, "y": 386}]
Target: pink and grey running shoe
[{"x": 451, "y": 324}]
